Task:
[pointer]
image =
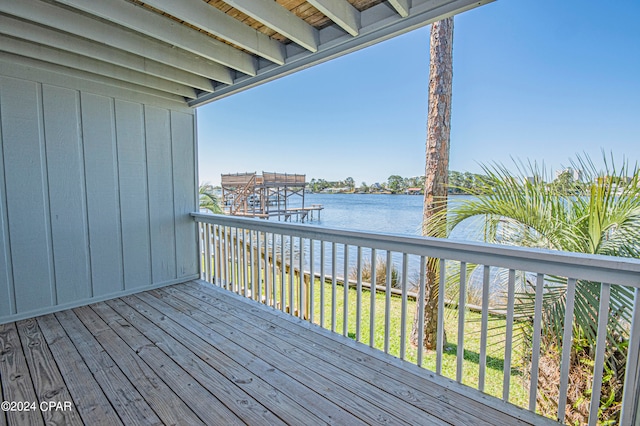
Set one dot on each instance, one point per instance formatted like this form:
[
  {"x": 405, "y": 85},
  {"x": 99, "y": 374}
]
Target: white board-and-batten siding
[{"x": 95, "y": 194}]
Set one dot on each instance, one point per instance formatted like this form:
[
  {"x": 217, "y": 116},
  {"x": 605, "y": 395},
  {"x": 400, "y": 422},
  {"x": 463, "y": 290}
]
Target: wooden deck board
[
  {"x": 47, "y": 380},
  {"x": 90, "y": 401},
  {"x": 354, "y": 370},
  {"x": 162, "y": 399},
  {"x": 224, "y": 369},
  {"x": 16, "y": 378},
  {"x": 193, "y": 354},
  {"x": 358, "y": 395},
  {"x": 264, "y": 368},
  {"x": 122, "y": 394},
  {"x": 390, "y": 378},
  {"x": 184, "y": 381}
]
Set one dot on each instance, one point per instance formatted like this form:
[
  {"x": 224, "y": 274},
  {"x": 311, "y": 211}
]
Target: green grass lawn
[{"x": 470, "y": 369}]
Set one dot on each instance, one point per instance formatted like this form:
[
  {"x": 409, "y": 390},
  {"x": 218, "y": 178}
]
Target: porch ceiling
[{"x": 201, "y": 50}]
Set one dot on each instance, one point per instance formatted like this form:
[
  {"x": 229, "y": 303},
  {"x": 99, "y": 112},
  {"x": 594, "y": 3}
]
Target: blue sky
[{"x": 534, "y": 80}]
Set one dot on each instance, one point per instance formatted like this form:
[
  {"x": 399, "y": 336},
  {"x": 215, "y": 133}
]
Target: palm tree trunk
[{"x": 437, "y": 162}]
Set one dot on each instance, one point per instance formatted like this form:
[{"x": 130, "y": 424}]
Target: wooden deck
[{"x": 194, "y": 354}]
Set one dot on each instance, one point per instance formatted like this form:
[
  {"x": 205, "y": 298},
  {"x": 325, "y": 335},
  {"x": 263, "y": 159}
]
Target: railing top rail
[{"x": 609, "y": 269}]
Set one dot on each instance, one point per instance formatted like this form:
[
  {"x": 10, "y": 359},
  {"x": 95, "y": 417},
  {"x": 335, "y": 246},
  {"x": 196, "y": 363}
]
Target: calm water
[
  {"x": 395, "y": 214},
  {"x": 398, "y": 214},
  {"x": 385, "y": 213}
]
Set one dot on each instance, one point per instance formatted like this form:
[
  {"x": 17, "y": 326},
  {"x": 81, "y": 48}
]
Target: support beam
[
  {"x": 279, "y": 19},
  {"x": 341, "y": 12},
  {"x": 401, "y": 6},
  {"x": 83, "y": 26},
  {"x": 48, "y": 37},
  {"x": 195, "y": 12},
  {"x": 71, "y": 60}
]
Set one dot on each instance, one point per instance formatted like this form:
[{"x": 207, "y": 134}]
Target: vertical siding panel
[
  {"x": 102, "y": 194},
  {"x": 132, "y": 172},
  {"x": 67, "y": 193},
  {"x": 160, "y": 181},
  {"x": 7, "y": 303},
  {"x": 26, "y": 195},
  {"x": 184, "y": 181}
]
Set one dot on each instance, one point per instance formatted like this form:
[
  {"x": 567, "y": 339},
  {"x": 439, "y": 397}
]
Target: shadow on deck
[{"x": 194, "y": 354}]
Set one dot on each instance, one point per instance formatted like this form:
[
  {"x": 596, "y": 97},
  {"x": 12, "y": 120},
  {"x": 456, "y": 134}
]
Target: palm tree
[
  {"x": 437, "y": 166},
  {"x": 601, "y": 216},
  {"x": 209, "y": 200}
]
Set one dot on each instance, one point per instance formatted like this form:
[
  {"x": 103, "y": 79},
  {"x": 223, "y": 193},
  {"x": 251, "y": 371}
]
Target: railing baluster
[
  {"x": 219, "y": 273},
  {"x": 535, "y": 354},
  {"x": 312, "y": 279},
  {"x": 567, "y": 339},
  {"x": 252, "y": 267},
  {"x": 403, "y": 314},
  {"x": 259, "y": 264},
  {"x": 511, "y": 295},
  {"x": 603, "y": 318},
  {"x": 205, "y": 250},
  {"x": 387, "y": 304},
  {"x": 358, "y": 291},
  {"x": 631, "y": 395},
  {"x": 231, "y": 258},
  {"x": 333, "y": 286},
  {"x": 484, "y": 327},
  {"x": 242, "y": 263},
  {"x": 372, "y": 308},
  {"x": 420, "y": 302},
  {"x": 283, "y": 278},
  {"x": 274, "y": 279},
  {"x": 345, "y": 288},
  {"x": 225, "y": 257},
  {"x": 302, "y": 306},
  {"x": 291, "y": 277},
  {"x": 235, "y": 261},
  {"x": 322, "y": 283},
  {"x": 440, "y": 329},
  {"x": 462, "y": 301},
  {"x": 267, "y": 271},
  {"x": 217, "y": 258}
]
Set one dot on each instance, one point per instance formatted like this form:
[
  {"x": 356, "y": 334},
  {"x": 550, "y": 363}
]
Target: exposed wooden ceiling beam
[
  {"x": 210, "y": 19},
  {"x": 279, "y": 19},
  {"x": 52, "y": 38},
  {"x": 154, "y": 25},
  {"x": 82, "y": 63},
  {"x": 83, "y": 26},
  {"x": 401, "y": 6},
  {"x": 341, "y": 12}
]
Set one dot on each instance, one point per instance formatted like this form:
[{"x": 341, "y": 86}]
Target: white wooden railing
[{"x": 273, "y": 263}]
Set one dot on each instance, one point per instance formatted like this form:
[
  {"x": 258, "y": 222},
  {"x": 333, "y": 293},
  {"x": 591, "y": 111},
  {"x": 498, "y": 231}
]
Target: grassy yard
[{"x": 470, "y": 369}]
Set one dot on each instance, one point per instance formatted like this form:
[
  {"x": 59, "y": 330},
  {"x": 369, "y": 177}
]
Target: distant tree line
[{"x": 459, "y": 182}]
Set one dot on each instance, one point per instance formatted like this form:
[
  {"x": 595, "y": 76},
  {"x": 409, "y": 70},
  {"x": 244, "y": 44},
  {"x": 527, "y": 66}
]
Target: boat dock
[{"x": 267, "y": 195}]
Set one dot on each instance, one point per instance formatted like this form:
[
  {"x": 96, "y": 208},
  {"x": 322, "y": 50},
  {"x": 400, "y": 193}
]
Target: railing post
[{"x": 630, "y": 414}]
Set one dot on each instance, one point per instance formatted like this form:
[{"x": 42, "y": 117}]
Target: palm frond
[{"x": 601, "y": 216}]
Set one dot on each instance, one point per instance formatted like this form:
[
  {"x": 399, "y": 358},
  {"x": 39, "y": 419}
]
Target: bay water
[{"x": 379, "y": 213}]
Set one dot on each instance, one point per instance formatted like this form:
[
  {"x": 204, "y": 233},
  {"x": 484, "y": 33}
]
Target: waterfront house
[{"x": 103, "y": 317}]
